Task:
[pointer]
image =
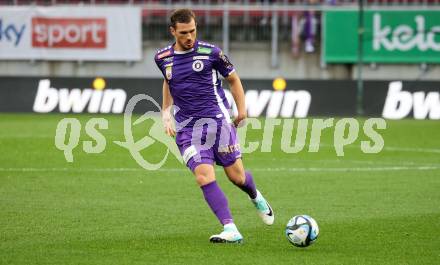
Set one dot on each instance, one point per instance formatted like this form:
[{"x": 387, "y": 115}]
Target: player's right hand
[
  {"x": 168, "y": 126},
  {"x": 167, "y": 121}
]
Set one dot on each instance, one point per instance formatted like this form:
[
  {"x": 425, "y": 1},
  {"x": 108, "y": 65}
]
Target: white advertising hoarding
[{"x": 86, "y": 33}]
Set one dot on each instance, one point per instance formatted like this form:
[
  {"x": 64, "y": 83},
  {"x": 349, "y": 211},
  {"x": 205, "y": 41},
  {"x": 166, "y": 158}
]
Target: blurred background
[
  {"x": 68, "y": 69},
  {"x": 344, "y": 54}
]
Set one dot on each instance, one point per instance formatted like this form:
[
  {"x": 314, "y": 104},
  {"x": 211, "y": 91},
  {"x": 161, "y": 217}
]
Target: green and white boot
[
  {"x": 230, "y": 234},
  {"x": 263, "y": 208}
]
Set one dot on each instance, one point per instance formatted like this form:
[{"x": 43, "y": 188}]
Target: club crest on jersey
[{"x": 198, "y": 66}]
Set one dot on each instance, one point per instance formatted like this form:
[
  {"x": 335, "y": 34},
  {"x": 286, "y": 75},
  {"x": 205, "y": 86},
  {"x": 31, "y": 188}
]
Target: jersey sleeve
[
  {"x": 222, "y": 63},
  {"x": 158, "y": 63},
  {"x": 158, "y": 59}
]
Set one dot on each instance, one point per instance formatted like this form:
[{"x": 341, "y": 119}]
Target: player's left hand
[{"x": 240, "y": 120}]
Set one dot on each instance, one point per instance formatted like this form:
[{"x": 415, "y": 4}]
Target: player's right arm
[{"x": 167, "y": 102}]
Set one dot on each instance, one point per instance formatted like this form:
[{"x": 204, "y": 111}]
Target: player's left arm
[{"x": 238, "y": 94}]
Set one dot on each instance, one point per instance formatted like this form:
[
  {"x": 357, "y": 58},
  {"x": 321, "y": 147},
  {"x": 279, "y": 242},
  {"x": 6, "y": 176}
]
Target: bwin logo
[
  {"x": 398, "y": 103},
  {"x": 285, "y": 104},
  {"x": 76, "y": 100}
]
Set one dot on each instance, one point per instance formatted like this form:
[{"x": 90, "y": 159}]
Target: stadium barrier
[{"x": 280, "y": 98}]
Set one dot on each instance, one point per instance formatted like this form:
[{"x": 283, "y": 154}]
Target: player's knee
[
  {"x": 237, "y": 179},
  {"x": 203, "y": 179}
]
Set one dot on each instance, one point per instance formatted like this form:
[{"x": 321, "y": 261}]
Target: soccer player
[{"x": 190, "y": 68}]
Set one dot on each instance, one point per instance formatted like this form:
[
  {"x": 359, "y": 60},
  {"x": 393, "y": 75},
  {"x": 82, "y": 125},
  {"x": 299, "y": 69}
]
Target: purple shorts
[{"x": 215, "y": 141}]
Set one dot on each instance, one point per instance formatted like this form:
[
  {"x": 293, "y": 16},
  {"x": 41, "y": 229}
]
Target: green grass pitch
[{"x": 104, "y": 209}]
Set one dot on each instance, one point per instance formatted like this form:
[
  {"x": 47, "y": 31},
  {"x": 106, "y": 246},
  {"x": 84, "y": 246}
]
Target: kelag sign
[
  {"x": 300, "y": 99},
  {"x": 389, "y": 37}
]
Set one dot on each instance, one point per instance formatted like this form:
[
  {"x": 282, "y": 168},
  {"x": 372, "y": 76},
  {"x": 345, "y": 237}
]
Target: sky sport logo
[
  {"x": 69, "y": 32},
  {"x": 11, "y": 32}
]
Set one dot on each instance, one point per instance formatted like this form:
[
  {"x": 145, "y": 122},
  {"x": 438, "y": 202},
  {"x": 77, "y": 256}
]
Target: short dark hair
[{"x": 183, "y": 15}]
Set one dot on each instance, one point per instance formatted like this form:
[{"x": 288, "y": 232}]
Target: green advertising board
[{"x": 389, "y": 36}]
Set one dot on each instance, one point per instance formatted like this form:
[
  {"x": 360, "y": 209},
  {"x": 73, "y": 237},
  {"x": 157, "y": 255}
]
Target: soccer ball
[{"x": 302, "y": 230}]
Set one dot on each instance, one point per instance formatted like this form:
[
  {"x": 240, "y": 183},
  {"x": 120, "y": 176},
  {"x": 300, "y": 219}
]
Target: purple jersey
[{"x": 194, "y": 82}]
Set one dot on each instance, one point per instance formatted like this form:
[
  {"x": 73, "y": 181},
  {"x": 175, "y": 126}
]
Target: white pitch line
[
  {"x": 344, "y": 161},
  {"x": 413, "y": 150},
  {"x": 349, "y": 169},
  {"x": 388, "y": 148},
  {"x": 269, "y": 169},
  {"x": 18, "y": 136},
  {"x": 65, "y": 169}
]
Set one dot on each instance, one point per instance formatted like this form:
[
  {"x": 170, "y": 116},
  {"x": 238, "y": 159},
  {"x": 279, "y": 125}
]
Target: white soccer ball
[{"x": 302, "y": 230}]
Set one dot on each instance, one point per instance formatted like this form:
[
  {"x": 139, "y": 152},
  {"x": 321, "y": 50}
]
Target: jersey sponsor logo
[
  {"x": 226, "y": 61},
  {"x": 169, "y": 59},
  {"x": 69, "y": 32},
  {"x": 189, "y": 153},
  {"x": 399, "y": 103},
  {"x": 78, "y": 100},
  {"x": 198, "y": 66},
  {"x": 204, "y": 50},
  {"x": 201, "y": 57},
  {"x": 228, "y": 149},
  {"x": 164, "y": 54}
]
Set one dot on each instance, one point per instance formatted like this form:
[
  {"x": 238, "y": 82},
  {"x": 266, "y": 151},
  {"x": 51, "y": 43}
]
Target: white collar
[{"x": 183, "y": 52}]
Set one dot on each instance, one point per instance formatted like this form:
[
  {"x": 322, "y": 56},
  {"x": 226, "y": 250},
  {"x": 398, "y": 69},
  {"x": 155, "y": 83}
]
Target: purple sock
[
  {"x": 217, "y": 201},
  {"x": 249, "y": 186}
]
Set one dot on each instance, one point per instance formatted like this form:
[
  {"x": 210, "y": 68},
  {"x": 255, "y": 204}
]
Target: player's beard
[{"x": 188, "y": 44}]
